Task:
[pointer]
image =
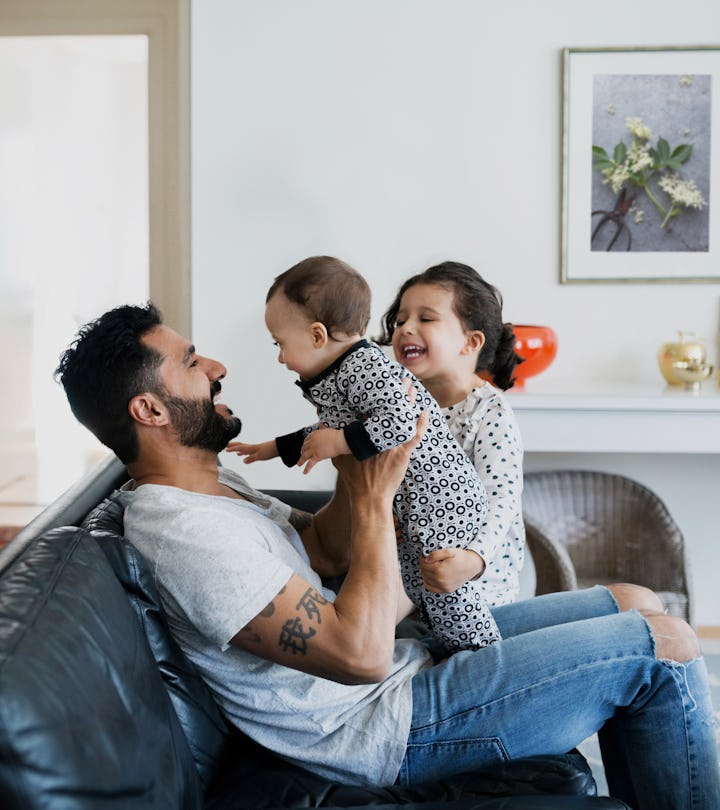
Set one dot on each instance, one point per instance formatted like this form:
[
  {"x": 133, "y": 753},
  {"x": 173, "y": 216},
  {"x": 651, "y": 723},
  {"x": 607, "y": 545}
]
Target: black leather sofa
[{"x": 100, "y": 709}]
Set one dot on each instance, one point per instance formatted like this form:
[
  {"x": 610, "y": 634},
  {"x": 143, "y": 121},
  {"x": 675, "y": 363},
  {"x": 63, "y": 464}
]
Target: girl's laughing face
[{"x": 429, "y": 337}]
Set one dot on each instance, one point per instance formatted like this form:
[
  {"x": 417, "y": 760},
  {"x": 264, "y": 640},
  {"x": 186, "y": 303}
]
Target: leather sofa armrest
[
  {"x": 85, "y": 721},
  {"x": 70, "y": 508}
]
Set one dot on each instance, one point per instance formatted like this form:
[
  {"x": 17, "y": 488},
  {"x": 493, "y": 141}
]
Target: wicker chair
[{"x": 585, "y": 528}]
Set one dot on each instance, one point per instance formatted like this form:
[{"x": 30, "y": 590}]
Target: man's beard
[{"x": 199, "y": 425}]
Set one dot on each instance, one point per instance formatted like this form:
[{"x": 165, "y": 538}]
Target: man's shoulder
[
  {"x": 237, "y": 482},
  {"x": 155, "y": 511},
  {"x": 154, "y": 503}
]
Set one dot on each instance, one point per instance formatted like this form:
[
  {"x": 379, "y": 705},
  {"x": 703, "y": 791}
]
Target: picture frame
[{"x": 640, "y": 187}]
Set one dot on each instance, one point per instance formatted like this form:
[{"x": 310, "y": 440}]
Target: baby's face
[{"x": 293, "y": 334}]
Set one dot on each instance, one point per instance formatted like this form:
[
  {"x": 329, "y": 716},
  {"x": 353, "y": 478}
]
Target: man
[{"x": 319, "y": 677}]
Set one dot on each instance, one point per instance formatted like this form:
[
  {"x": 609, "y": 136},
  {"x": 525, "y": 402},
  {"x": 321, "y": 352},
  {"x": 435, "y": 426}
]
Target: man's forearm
[{"x": 369, "y": 596}]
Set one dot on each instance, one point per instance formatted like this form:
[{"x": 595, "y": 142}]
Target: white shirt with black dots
[{"x": 485, "y": 427}]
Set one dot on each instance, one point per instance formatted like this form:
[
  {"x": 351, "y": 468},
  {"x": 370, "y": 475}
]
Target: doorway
[
  {"x": 94, "y": 208},
  {"x": 73, "y": 233}
]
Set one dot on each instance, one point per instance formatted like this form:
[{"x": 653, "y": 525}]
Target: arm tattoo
[
  {"x": 269, "y": 609},
  {"x": 249, "y": 633},
  {"x": 294, "y": 636},
  {"x": 300, "y": 520},
  {"x": 309, "y": 603}
]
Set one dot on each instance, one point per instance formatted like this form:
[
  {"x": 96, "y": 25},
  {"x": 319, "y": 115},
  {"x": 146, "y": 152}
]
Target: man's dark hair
[
  {"x": 330, "y": 291},
  {"x": 105, "y": 367}
]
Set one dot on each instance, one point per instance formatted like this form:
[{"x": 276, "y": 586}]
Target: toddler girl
[{"x": 446, "y": 327}]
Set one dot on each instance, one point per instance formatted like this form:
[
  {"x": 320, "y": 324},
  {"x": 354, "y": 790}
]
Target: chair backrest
[
  {"x": 613, "y": 527},
  {"x": 70, "y": 508}
]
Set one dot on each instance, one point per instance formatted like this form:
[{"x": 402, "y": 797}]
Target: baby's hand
[
  {"x": 254, "y": 452},
  {"x": 321, "y": 444},
  {"x": 446, "y": 569}
]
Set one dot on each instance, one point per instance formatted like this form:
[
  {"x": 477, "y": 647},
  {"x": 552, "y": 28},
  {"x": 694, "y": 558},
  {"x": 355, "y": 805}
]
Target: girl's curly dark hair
[{"x": 478, "y": 305}]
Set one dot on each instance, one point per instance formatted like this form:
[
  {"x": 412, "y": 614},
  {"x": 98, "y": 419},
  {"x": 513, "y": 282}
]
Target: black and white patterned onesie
[{"x": 441, "y": 502}]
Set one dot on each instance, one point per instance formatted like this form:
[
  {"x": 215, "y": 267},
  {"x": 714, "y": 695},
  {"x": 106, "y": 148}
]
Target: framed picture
[{"x": 640, "y": 187}]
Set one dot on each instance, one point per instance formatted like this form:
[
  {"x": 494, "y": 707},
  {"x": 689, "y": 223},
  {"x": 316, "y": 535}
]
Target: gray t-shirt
[{"x": 217, "y": 563}]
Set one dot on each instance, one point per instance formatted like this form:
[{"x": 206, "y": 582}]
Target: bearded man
[{"x": 319, "y": 677}]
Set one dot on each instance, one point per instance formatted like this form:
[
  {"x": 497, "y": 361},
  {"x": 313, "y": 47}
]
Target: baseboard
[{"x": 709, "y": 631}]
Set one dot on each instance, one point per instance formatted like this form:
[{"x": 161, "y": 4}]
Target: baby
[{"x": 317, "y": 313}]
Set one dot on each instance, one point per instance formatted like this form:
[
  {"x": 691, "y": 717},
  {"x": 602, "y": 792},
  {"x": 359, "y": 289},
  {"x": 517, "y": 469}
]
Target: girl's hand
[
  {"x": 254, "y": 452},
  {"x": 321, "y": 444},
  {"x": 446, "y": 569}
]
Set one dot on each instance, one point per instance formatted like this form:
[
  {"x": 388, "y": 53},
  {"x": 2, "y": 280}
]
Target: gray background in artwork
[{"x": 678, "y": 113}]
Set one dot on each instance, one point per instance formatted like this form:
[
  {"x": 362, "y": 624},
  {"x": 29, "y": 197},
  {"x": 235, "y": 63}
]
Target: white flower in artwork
[
  {"x": 638, "y": 129},
  {"x": 636, "y": 164},
  {"x": 682, "y": 192}
]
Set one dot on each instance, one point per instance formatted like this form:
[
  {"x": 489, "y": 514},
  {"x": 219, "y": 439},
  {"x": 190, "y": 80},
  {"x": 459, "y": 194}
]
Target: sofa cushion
[
  {"x": 205, "y": 729},
  {"x": 84, "y": 719},
  {"x": 253, "y": 779}
]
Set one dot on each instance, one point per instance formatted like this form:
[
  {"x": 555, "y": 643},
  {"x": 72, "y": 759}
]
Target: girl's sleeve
[
  {"x": 375, "y": 389},
  {"x": 498, "y": 459}
]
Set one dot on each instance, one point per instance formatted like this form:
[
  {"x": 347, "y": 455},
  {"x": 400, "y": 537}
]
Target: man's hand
[
  {"x": 447, "y": 569},
  {"x": 254, "y": 452},
  {"x": 321, "y": 444}
]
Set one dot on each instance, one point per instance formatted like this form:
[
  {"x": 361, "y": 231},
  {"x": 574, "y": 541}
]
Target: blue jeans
[{"x": 570, "y": 664}]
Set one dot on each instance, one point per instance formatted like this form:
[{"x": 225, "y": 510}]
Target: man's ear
[
  {"x": 474, "y": 341},
  {"x": 147, "y": 409},
  {"x": 319, "y": 334}
]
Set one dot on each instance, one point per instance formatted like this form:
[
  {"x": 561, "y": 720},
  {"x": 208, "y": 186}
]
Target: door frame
[{"x": 166, "y": 23}]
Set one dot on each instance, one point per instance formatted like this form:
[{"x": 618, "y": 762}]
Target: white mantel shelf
[{"x": 617, "y": 417}]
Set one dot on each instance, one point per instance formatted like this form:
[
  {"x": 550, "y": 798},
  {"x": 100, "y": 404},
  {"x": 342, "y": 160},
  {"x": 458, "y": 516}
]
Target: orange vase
[{"x": 538, "y": 345}]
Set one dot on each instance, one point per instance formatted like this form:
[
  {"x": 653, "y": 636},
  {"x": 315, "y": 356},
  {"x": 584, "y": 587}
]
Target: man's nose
[{"x": 214, "y": 369}]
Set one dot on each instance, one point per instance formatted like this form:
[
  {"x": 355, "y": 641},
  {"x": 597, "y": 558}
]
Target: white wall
[{"x": 395, "y": 134}]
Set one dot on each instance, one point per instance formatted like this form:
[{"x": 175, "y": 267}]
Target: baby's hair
[
  {"x": 330, "y": 291},
  {"x": 478, "y": 305}
]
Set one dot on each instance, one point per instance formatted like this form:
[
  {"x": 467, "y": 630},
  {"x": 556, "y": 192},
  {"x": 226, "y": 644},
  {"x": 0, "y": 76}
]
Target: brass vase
[{"x": 684, "y": 362}]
